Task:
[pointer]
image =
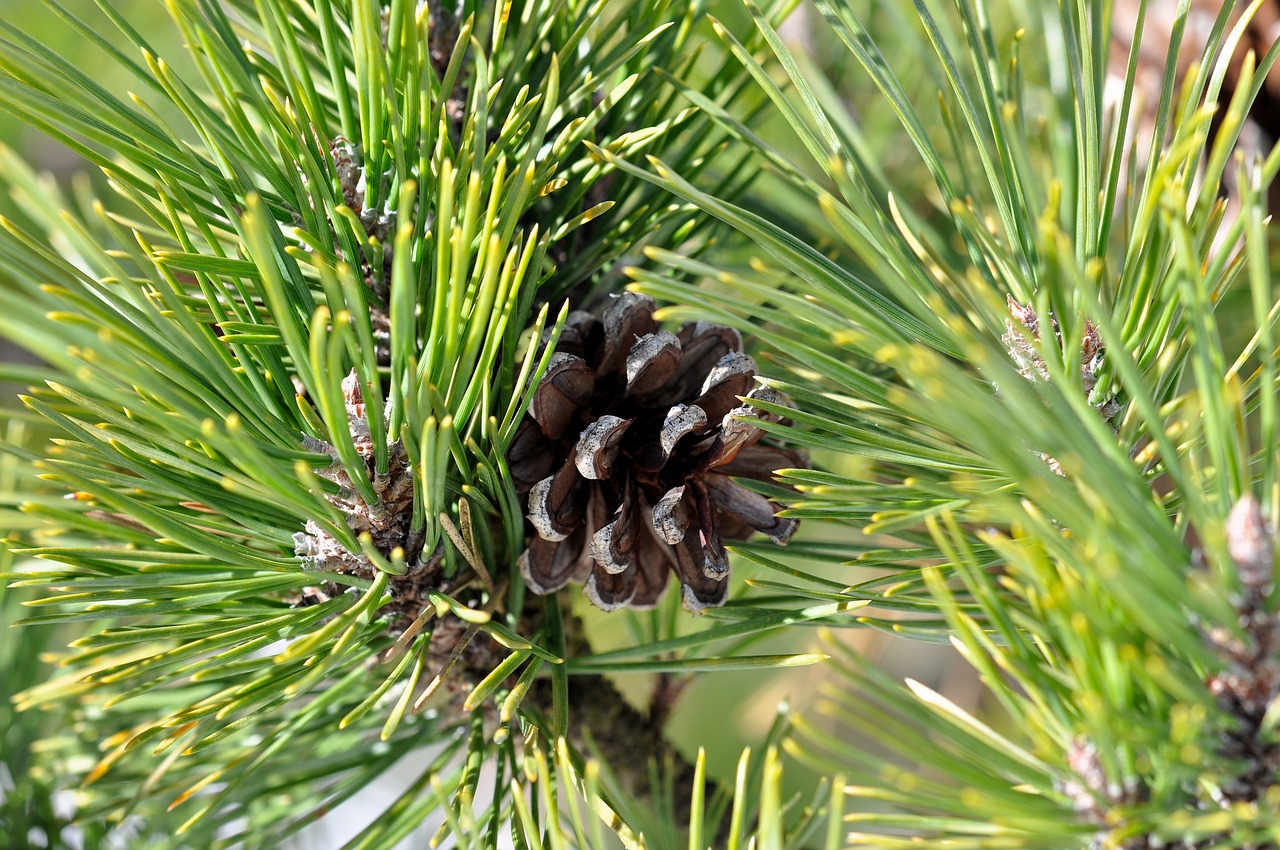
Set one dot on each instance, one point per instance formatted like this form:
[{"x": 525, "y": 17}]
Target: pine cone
[{"x": 626, "y": 458}]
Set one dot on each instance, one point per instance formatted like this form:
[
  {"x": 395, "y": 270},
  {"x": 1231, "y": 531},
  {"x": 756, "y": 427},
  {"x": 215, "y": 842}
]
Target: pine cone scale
[
  {"x": 749, "y": 507},
  {"x": 597, "y": 448},
  {"x": 610, "y": 591},
  {"x": 557, "y": 504},
  {"x": 703, "y": 345},
  {"x": 547, "y": 566},
  {"x": 625, "y": 321},
  {"x": 568, "y": 385},
  {"x": 652, "y": 362},
  {"x": 613, "y": 545},
  {"x": 715, "y": 564},
  {"x": 700, "y": 590},
  {"x": 671, "y": 516},
  {"x": 531, "y": 456},
  {"x": 758, "y": 461},
  {"x": 681, "y": 421}
]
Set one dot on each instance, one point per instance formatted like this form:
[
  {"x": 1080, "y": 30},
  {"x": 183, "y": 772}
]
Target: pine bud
[{"x": 1250, "y": 542}]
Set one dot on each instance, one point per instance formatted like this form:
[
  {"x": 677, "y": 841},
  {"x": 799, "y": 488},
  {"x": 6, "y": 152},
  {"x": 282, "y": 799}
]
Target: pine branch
[{"x": 290, "y": 349}]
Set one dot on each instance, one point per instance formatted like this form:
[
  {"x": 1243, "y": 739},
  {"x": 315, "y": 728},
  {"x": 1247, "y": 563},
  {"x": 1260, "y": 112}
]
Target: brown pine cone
[{"x": 626, "y": 458}]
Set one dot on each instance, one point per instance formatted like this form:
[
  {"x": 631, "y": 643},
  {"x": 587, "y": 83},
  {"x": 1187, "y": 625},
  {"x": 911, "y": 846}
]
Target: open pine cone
[{"x": 626, "y": 458}]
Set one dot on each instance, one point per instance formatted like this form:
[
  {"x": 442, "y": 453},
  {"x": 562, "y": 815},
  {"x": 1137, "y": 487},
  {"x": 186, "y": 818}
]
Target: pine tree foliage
[{"x": 1026, "y": 332}]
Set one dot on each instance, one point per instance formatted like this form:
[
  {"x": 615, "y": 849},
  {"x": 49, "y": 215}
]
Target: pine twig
[{"x": 601, "y": 720}]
